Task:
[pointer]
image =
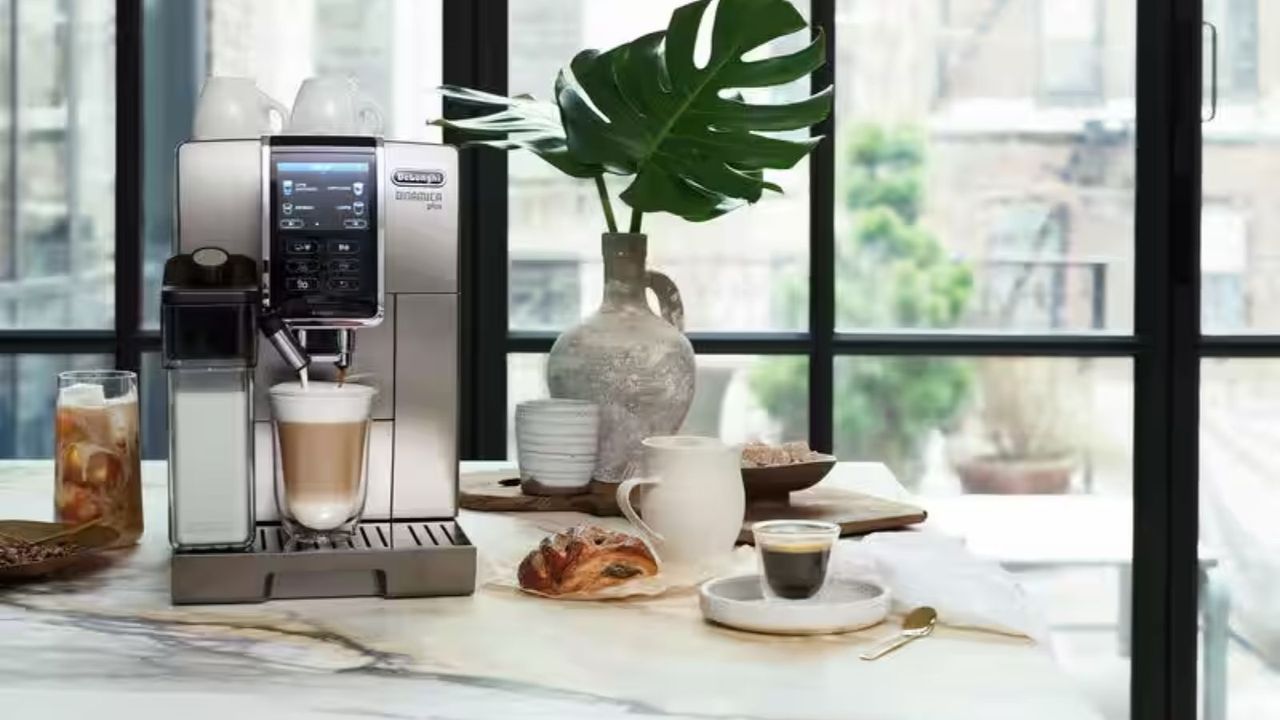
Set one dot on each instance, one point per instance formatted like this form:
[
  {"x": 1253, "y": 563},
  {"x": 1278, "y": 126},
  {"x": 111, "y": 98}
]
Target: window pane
[
  {"x": 738, "y": 397},
  {"x": 984, "y": 161},
  {"x": 747, "y": 270},
  {"x": 1239, "y": 254},
  {"x": 57, "y": 164},
  {"x": 28, "y": 390},
  {"x": 1029, "y": 460},
  {"x": 391, "y": 48},
  {"x": 1239, "y": 499}
]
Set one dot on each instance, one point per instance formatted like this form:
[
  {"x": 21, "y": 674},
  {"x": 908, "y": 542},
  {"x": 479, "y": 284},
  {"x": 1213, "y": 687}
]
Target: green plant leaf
[
  {"x": 646, "y": 108},
  {"x": 519, "y": 122}
]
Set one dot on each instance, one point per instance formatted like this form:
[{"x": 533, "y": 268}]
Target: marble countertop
[{"x": 107, "y": 643}]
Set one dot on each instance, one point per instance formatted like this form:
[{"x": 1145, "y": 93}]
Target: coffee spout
[{"x": 346, "y": 346}]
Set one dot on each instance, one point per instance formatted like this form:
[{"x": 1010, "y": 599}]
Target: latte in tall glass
[{"x": 321, "y": 456}]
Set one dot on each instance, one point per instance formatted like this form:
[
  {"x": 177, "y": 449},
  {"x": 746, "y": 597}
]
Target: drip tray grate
[
  {"x": 419, "y": 558},
  {"x": 369, "y": 536}
]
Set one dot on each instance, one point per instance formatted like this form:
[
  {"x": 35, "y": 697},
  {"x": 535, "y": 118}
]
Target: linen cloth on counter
[{"x": 929, "y": 568}]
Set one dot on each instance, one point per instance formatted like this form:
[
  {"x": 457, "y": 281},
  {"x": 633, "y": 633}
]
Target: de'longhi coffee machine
[{"x": 343, "y": 253}]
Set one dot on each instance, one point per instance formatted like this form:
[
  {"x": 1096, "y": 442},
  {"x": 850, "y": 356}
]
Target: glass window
[
  {"x": 28, "y": 390},
  {"x": 1239, "y": 255},
  {"x": 964, "y": 199},
  {"x": 1069, "y": 52},
  {"x": 1239, "y": 496},
  {"x": 738, "y": 397},
  {"x": 1016, "y": 455},
  {"x": 391, "y": 48},
  {"x": 1237, "y": 24},
  {"x": 745, "y": 271},
  {"x": 57, "y": 164}
]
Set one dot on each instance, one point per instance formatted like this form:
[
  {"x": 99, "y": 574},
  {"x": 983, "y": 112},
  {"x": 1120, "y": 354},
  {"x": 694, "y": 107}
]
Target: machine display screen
[
  {"x": 324, "y": 251},
  {"x": 324, "y": 194}
]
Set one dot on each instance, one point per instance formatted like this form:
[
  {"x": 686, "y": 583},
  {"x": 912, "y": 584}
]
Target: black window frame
[{"x": 1166, "y": 344}]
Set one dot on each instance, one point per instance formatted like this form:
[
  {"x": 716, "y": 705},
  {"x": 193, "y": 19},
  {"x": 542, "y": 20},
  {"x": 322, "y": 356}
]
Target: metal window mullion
[
  {"x": 708, "y": 343},
  {"x": 475, "y": 55},
  {"x": 1166, "y": 370},
  {"x": 822, "y": 247},
  {"x": 960, "y": 343},
  {"x": 57, "y": 342},
  {"x": 1258, "y": 346},
  {"x": 128, "y": 201}
]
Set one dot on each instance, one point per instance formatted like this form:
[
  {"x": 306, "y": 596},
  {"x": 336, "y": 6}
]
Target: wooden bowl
[
  {"x": 90, "y": 537},
  {"x": 778, "y": 481}
]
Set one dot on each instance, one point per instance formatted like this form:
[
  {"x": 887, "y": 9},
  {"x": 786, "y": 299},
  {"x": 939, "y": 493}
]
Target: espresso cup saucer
[{"x": 843, "y": 605}]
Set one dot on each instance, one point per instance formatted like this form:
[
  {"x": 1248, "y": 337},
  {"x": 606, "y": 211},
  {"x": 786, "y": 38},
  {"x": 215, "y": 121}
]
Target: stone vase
[{"x": 638, "y": 367}]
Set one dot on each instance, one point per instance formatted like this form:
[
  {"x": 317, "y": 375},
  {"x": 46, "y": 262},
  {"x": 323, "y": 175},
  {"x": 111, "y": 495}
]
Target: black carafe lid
[{"x": 209, "y": 308}]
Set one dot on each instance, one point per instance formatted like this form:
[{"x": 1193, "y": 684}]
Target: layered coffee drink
[
  {"x": 321, "y": 456},
  {"x": 97, "y": 463}
]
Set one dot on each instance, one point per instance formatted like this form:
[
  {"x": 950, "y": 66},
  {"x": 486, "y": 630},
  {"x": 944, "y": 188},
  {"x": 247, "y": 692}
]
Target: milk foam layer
[
  {"x": 323, "y": 514},
  {"x": 321, "y": 402}
]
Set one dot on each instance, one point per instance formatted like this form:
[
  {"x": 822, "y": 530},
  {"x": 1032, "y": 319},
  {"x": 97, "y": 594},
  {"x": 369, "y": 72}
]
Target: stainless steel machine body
[{"x": 373, "y": 286}]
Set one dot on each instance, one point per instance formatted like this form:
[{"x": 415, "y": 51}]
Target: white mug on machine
[
  {"x": 234, "y": 108},
  {"x": 695, "y": 502},
  {"x": 333, "y": 106}
]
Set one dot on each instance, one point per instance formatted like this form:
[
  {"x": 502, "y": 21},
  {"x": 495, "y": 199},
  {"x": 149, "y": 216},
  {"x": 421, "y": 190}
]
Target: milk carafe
[{"x": 209, "y": 307}]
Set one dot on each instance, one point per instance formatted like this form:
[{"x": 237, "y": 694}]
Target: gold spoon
[{"x": 917, "y": 624}]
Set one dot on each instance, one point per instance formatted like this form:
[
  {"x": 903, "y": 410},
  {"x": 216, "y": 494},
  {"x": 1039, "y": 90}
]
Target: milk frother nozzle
[{"x": 283, "y": 340}]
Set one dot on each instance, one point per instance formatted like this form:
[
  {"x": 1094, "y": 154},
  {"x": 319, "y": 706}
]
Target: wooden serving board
[
  {"x": 485, "y": 492},
  {"x": 854, "y": 512}
]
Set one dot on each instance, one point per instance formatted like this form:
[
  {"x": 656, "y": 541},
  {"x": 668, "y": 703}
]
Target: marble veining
[{"x": 107, "y": 643}]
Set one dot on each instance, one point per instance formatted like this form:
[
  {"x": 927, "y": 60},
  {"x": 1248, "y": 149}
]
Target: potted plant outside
[{"x": 1029, "y": 434}]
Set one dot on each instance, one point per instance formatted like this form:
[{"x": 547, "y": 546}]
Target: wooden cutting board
[{"x": 855, "y": 513}]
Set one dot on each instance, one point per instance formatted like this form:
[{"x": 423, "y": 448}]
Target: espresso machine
[{"x": 356, "y": 243}]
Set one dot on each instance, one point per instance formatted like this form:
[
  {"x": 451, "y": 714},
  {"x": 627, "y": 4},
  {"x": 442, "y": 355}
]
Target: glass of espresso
[
  {"x": 321, "y": 457},
  {"x": 793, "y": 556}
]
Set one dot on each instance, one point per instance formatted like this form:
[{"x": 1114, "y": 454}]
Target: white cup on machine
[
  {"x": 333, "y": 106},
  {"x": 232, "y": 108}
]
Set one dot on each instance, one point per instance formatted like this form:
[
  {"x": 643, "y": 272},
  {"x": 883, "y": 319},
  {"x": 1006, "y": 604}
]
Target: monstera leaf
[
  {"x": 648, "y": 109},
  {"x": 519, "y": 122}
]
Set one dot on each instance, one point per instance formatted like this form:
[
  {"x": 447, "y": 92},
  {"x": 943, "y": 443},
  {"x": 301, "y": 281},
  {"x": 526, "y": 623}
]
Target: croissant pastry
[{"x": 585, "y": 559}]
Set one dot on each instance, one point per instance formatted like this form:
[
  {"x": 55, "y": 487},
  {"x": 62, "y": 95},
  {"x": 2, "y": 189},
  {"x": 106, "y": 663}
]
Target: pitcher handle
[
  {"x": 370, "y": 116},
  {"x": 279, "y": 108},
  {"x": 669, "y": 303},
  {"x": 624, "y": 502}
]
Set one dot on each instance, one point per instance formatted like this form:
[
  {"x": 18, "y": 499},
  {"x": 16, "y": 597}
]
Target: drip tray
[{"x": 388, "y": 559}]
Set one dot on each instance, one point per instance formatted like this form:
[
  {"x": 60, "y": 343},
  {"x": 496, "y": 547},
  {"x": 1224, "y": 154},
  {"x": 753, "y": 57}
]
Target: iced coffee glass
[
  {"x": 321, "y": 457},
  {"x": 98, "y": 473}
]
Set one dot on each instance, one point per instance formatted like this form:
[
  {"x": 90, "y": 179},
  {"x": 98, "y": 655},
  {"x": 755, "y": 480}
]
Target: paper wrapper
[{"x": 671, "y": 578}]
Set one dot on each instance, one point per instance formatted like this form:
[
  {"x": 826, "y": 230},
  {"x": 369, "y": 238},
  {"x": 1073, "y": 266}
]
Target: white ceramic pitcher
[
  {"x": 694, "y": 504},
  {"x": 234, "y": 108}
]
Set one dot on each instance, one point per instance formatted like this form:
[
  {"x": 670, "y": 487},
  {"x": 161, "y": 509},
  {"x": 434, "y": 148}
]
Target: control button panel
[
  {"x": 301, "y": 247},
  {"x": 302, "y": 267},
  {"x": 301, "y": 284},
  {"x": 345, "y": 266}
]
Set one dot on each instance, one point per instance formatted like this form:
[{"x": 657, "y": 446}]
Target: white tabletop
[{"x": 108, "y": 644}]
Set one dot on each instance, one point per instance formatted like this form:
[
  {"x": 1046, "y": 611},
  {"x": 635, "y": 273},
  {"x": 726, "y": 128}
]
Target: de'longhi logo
[{"x": 418, "y": 178}]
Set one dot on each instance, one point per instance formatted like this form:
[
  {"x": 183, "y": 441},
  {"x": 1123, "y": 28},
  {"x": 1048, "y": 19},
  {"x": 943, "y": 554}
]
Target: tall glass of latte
[{"x": 321, "y": 456}]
